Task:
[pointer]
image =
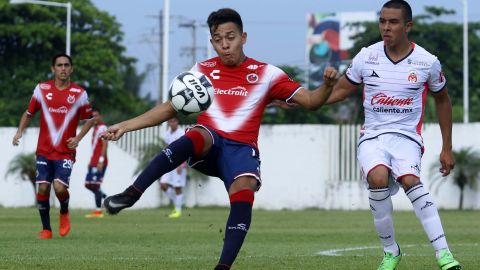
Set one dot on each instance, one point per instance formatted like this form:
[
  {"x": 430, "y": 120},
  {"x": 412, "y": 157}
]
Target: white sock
[
  {"x": 179, "y": 202},
  {"x": 171, "y": 194},
  {"x": 427, "y": 213},
  {"x": 382, "y": 209}
]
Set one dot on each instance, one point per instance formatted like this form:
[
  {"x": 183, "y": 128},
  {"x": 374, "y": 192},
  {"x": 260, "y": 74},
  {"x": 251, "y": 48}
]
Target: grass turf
[{"x": 147, "y": 239}]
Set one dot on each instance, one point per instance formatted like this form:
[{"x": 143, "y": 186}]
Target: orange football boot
[
  {"x": 64, "y": 224},
  {"x": 45, "y": 234}
]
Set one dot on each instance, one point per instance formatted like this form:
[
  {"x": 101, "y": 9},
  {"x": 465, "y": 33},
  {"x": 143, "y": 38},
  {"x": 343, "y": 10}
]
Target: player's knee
[
  {"x": 201, "y": 141},
  {"x": 43, "y": 189},
  {"x": 409, "y": 181}
]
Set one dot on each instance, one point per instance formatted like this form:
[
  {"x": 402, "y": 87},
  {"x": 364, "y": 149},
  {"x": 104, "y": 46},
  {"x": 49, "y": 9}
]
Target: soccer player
[
  {"x": 62, "y": 104},
  {"x": 98, "y": 164},
  {"x": 396, "y": 75},
  {"x": 174, "y": 181},
  {"x": 224, "y": 141}
]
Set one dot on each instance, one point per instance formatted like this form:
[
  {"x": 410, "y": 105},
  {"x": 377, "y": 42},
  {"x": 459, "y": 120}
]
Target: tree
[
  {"x": 31, "y": 34},
  {"x": 24, "y": 165},
  {"x": 466, "y": 172}
]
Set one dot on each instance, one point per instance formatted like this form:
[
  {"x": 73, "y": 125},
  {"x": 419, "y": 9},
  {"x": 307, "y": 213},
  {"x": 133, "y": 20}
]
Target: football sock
[
  {"x": 427, "y": 213},
  {"x": 237, "y": 225},
  {"x": 170, "y": 158},
  {"x": 44, "y": 210},
  {"x": 178, "y": 202},
  {"x": 99, "y": 195},
  {"x": 382, "y": 209},
  {"x": 63, "y": 198},
  {"x": 171, "y": 194}
]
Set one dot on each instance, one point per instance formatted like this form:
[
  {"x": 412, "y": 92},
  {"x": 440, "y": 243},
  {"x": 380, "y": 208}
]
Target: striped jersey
[
  {"x": 97, "y": 144},
  {"x": 394, "y": 93},
  {"x": 61, "y": 111},
  {"x": 240, "y": 96}
]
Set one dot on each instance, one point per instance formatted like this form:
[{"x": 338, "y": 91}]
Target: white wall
[{"x": 296, "y": 172}]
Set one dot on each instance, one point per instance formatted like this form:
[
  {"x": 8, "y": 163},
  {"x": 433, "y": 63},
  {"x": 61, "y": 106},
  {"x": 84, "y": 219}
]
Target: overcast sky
[{"x": 276, "y": 28}]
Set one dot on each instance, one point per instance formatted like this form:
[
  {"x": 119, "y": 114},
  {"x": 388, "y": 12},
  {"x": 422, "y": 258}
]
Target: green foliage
[
  {"x": 466, "y": 172},
  {"x": 23, "y": 165},
  {"x": 31, "y": 34}
]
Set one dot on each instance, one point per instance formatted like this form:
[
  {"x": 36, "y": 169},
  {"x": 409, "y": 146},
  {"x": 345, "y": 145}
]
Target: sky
[{"x": 276, "y": 29}]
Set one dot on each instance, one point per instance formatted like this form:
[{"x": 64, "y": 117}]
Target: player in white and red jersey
[
  {"x": 224, "y": 143},
  {"x": 97, "y": 165},
  {"x": 173, "y": 182},
  {"x": 62, "y": 105},
  {"x": 396, "y": 76}
]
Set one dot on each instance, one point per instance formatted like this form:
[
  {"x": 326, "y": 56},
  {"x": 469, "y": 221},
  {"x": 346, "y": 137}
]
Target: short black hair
[
  {"x": 224, "y": 15},
  {"x": 403, "y": 5},
  {"x": 55, "y": 57}
]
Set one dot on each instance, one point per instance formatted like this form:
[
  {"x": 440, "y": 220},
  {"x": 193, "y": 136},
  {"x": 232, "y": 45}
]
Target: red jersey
[
  {"x": 97, "y": 145},
  {"x": 61, "y": 110},
  {"x": 241, "y": 95}
]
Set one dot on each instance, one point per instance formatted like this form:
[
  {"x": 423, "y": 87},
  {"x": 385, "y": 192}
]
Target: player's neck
[
  {"x": 60, "y": 84},
  {"x": 399, "y": 51}
]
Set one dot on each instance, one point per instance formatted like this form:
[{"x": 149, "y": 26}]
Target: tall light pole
[
  {"x": 465, "y": 63},
  {"x": 67, "y": 5}
]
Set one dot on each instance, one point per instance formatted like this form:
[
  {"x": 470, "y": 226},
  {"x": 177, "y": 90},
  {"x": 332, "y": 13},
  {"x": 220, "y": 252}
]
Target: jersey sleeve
[
  {"x": 281, "y": 86},
  {"x": 85, "y": 107},
  {"x": 354, "y": 71},
  {"x": 34, "y": 104},
  {"x": 436, "y": 80}
]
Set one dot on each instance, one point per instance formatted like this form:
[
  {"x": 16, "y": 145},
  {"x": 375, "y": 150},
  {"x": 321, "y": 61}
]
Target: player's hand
[
  {"x": 100, "y": 166},
  {"x": 16, "y": 139},
  {"x": 447, "y": 161},
  {"x": 72, "y": 142},
  {"x": 113, "y": 133},
  {"x": 330, "y": 76}
]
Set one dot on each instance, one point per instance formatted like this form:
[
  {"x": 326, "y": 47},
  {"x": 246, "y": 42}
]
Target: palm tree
[
  {"x": 465, "y": 173},
  {"x": 25, "y": 166}
]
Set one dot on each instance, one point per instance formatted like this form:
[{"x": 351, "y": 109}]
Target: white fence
[{"x": 303, "y": 166}]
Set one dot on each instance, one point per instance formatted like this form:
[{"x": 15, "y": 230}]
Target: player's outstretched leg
[
  {"x": 426, "y": 211},
  {"x": 191, "y": 144}
]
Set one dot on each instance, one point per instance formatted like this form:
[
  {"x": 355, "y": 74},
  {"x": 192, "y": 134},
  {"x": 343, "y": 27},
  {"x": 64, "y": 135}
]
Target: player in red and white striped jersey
[
  {"x": 62, "y": 104},
  {"x": 97, "y": 165},
  {"x": 396, "y": 75},
  {"x": 224, "y": 143}
]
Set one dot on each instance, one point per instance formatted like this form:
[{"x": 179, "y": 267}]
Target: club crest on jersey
[
  {"x": 45, "y": 86},
  {"x": 71, "y": 99},
  {"x": 412, "y": 77},
  {"x": 252, "y": 78}
]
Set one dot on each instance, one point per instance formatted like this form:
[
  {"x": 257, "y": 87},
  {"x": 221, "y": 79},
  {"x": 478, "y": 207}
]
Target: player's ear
[{"x": 244, "y": 38}]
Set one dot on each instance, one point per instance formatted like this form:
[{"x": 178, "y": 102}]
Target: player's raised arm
[
  {"x": 153, "y": 117},
  {"x": 313, "y": 100}
]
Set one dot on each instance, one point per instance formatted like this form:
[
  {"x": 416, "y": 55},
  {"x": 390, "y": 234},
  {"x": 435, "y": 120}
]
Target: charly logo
[
  {"x": 252, "y": 78},
  {"x": 62, "y": 109},
  {"x": 71, "y": 99},
  {"x": 412, "y": 77},
  {"x": 49, "y": 96}
]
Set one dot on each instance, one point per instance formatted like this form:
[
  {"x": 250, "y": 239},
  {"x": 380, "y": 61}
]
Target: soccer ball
[{"x": 190, "y": 92}]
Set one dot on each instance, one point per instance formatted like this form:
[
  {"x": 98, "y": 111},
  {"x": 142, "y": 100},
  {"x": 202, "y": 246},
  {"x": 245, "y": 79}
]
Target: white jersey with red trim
[
  {"x": 394, "y": 93},
  {"x": 61, "y": 110},
  {"x": 241, "y": 95},
  {"x": 171, "y": 136},
  {"x": 97, "y": 145}
]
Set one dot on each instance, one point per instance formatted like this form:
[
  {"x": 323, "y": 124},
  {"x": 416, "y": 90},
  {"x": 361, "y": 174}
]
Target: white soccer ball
[{"x": 191, "y": 92}]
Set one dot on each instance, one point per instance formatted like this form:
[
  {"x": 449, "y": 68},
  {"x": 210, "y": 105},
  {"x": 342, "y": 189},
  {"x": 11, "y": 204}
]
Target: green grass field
[{"x": 146, "y": 239}]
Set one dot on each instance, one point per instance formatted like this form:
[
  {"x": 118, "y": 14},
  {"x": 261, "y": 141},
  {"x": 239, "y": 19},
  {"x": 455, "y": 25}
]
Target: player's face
[
  {"x": 173, "y": 123},
  {"x": 96, "y": 117},
  {"x": 227, "y": 40},
  {"x": 62, "y": 69},
  {"x": 393, "y": 28}
]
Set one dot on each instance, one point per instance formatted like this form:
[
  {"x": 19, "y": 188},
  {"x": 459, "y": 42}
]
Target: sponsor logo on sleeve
[
  {"x": 208, "y": 64},
  {"x": 45, "y": 86},
  {"x": 76, "y": 90}
]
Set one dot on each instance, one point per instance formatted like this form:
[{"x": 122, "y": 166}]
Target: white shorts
[
  {"x": 400, "y": 154},
  {"x": 174, "y": 179}
]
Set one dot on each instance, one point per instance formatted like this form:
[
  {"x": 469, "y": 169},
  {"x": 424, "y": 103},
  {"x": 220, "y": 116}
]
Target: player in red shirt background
[
  {"x": 97, "y": 165},
  {"x": 62, "y": 105},
  {"x": 224, "y": 142}
]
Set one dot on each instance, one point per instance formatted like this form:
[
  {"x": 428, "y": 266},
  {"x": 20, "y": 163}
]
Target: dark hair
[
  {"x": 403, "y": 5},
  {"x": 54, "y": 58},
  {"x": 224, "y": 15}
]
